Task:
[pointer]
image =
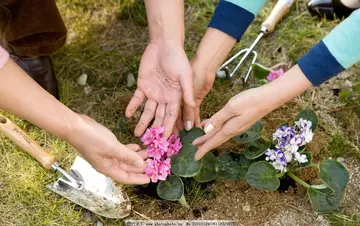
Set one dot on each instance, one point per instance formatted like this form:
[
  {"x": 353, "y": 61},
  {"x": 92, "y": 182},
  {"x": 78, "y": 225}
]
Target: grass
[{"x": 106, "y": 39}]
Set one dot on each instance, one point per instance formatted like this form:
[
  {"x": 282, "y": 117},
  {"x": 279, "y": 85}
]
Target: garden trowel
[{"x": 83, "y": 185}]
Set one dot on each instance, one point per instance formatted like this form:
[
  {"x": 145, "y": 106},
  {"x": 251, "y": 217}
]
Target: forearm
[
  {"x": 20, "y": 95},
  {"x": 283, "y": 89},
  {"x": 229, "y": 22},
  {"x": 339, "y": 50},
  {"x": 166, "y": 20}
]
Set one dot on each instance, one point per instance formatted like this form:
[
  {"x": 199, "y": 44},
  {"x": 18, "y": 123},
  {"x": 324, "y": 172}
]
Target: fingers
[
  {"x": 133, "y": 147},
  {"x": 179, "y": 122},
  {"x": 160, "y": 115},
  {"x": 172, "y": 113},
  {"x": 134, "y": 103},
  {"x": 146, "y": 117},
  {"x": 124, "y": 177},
  {"x": 197, "y": 117},
  {"x": 201, "y": 140},
  {"x": 214, "y": 141},
  {"x": 186, "y": 81},
  {"x": 217, "y": 120},
  {"x": 125, "y": 155},
  {"x": 188, "y": 117}
]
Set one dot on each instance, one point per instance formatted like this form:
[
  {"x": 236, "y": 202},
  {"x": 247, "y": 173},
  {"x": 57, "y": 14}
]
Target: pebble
[
  {"x": 340, "y": 159},
  {"x": 87, "y": 90},
  {"x": 130, "y": 80},
  {"x": 98, "y": 223},
  {"x": 220, "y": 74},
  {"x": 320, "y": 218},
  {"x": 246, "y": 208},
  {"x": 82, "y": 79},
  {"x": 349, "y": 83}
]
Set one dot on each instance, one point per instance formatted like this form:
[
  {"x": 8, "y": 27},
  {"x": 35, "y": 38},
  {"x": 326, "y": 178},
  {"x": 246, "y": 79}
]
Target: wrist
[{"x": 213, "y": 49}]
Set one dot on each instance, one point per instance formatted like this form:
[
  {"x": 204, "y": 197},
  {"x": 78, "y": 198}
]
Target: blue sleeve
[
  {"x": 234, "y": 16},
  {"x": 339, "y": 50}
]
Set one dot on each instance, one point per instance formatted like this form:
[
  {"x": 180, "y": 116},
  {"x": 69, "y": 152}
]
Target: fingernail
[
  {"x": 188, "y": 125},
  {"x": 138, "y": 163},
  {"x": 208, "y": 128}
]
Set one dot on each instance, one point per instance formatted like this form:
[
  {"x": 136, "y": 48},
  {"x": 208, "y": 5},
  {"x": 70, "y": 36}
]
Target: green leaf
[
  {"x": 256, "y": 149},
  {"x": 308, "y": 115},
  {"x": 232, "y": 166},
  {"x": 251, "y": 135},
  {"x": 171, "y": 189},
  {"x": 260, "y": 71},
  {"x": 309, "y": 158},
  {"x": 184, "y": 164},
  {"x": 324, "y": 199},
  {"x": 207, "y": 172},
  {"x": 334, "y": 174},
  {"x": 262, "y": 175},
  {"x": 187, "y": 137}
]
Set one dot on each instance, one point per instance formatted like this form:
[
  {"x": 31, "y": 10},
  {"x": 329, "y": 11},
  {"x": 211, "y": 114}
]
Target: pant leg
[{"x": 32, "y": 27}]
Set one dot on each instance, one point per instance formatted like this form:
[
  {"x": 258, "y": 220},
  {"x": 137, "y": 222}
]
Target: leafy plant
[{"x": 262, "y": 164}]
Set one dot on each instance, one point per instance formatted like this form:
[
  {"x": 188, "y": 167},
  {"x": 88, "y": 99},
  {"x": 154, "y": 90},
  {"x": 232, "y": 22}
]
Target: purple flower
[
  {"x": 283, "y": 133},
  {"x": 151, "y": 134},
  {"x": 274, "y": 74},
  {"x": 154, "y": 152},
  {"x": 174, "y": 145}
]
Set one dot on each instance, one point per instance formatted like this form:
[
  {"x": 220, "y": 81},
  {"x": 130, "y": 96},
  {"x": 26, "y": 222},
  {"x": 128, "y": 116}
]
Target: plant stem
[
  {"x": 280, "y": 174},
  {"x": 183, "y": 202},
  {"x": 298, "y": 180},
  {"x": 265, "y": 138},
  {"x": 316, "y": 166}
]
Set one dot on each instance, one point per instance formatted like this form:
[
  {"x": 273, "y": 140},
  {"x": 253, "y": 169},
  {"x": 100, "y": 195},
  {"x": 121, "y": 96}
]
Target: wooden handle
[
  {"x": 21, "y": 139},
  {"x": 281, "y": 8}
]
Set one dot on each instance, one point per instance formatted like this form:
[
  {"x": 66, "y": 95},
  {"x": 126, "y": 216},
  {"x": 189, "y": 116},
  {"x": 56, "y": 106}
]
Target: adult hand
[
  {"x": 244, "y": 109},
  {"x": 100, "y": 147},
  {"x": 203, "y": 80},
  {"x": 165, "y": 79},
  {"x": 212, "y": 51}
]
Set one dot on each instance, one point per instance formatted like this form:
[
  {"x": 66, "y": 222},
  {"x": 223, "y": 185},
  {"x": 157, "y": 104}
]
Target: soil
[{"x": 236, "y": 200}]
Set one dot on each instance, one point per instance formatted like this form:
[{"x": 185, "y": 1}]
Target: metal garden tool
[
  {"x": 83, "y": 185},
  {"x": 281, "y": 8}
]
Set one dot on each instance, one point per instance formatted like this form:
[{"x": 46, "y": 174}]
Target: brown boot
[{"x": 41, "y": 70}]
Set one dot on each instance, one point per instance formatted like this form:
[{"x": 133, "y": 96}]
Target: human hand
[
  {"x": 240, "y": 113},
  {"x": 165, "y": 80},
  {"x": 106, "y": 154},
  {"x": 203, "y": 80},
  {"x": 212, "y": 51},
  {"x": 244, "y": 109}
]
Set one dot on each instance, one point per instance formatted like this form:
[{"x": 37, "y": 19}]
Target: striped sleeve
[
  {"x": 338, "y": 51},
  {"x": 234, "y": 16}
]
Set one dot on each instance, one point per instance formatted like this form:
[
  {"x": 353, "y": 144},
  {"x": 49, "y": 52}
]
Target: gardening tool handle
[
  {"x": 281, "y": 8},
  {"x": 25, "y": 142}
]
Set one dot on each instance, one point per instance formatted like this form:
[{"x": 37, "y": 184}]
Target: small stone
[
  {"x": 220, "y": 74},
  {"x": 87, "y": 90},
  {"x": 320, "y": 218},
  {"x": 130, "y": 80},
  {"x": 246, "y": 208},
  {"x": 82, "y": 79},
  {"x": 340, "y": 159},
  {"x": 99, "y": 223},
  {"x": 349, "y": 83}
]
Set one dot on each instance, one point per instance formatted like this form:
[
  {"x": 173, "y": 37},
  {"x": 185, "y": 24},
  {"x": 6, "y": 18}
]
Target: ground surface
[{"x": 106, "y": 39}]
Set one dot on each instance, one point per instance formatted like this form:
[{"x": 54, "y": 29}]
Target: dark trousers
[{"x": 32, "y": 27}]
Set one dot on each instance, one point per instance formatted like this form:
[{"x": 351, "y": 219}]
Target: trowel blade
[{"x": 99, "y": 193}]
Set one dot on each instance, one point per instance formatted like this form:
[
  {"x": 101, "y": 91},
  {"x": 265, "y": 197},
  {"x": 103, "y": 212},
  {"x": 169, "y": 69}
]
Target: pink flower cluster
[
  {"x": 160, "y": 150},
  {"x": 274, "y": 74}
]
